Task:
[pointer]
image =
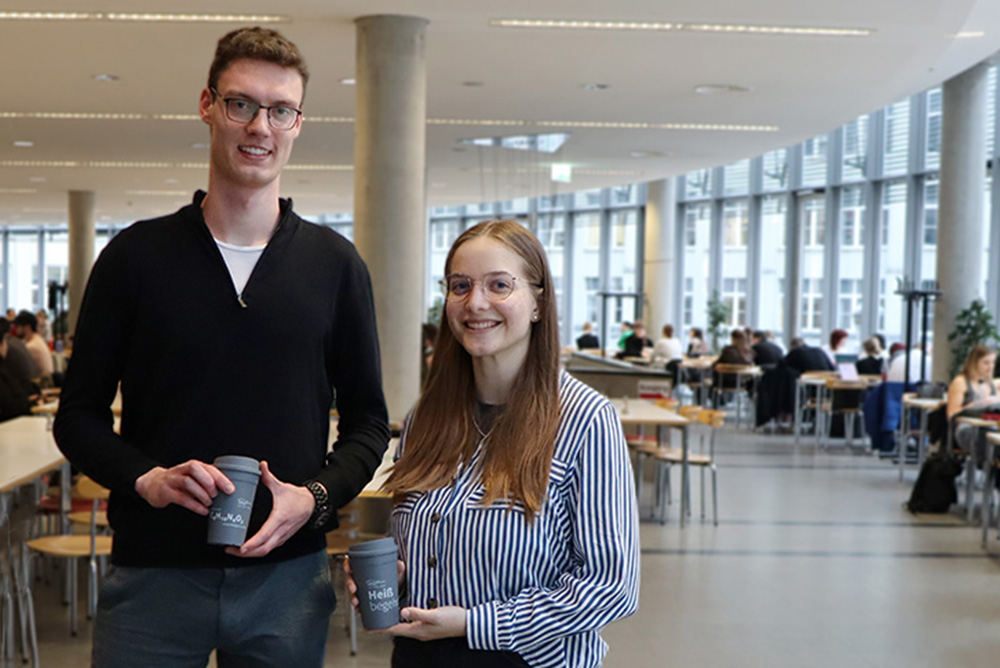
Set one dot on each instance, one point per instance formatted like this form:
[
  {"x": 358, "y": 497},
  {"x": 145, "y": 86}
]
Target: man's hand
[
  {"x": 292, "y": 508},
  {"x": 192, "y": 485}
]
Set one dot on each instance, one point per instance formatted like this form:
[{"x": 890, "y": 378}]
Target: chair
[
  {"x": 845, "y": 397},
  {"x": 713, "y": 419},
  {"x": 74, "y": 546},
  {"x": 730, "y": 379}
]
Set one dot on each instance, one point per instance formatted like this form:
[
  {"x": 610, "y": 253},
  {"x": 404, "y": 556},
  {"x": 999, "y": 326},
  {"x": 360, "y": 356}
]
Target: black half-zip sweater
[{"x": 206, "y": 372}]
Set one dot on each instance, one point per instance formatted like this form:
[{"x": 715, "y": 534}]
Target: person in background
[
  {"x": 737, "y": 352},
  {"x": 897, "y": 365},
  {"x": 973, "y": 391},
  {"x": 11, "y": 314},
  {"x": 765, "y": 353},
  {"x": 429, "y": 332},
  {"x": 44, "y": 328},
  {"x": 776, "y": 341},
  {"x": 515, "y": 512},
  {"x": 668, "y": 347},
  {"x": 803, "y": 357},
  {"x": 838, "y": 339},
  {"x": 696, "y": 343},
  {"x": 20, "y": 364},
  {"x": 638, "y": 344},
  {"x": 873, "y": 362},
  {"x": 242, "y": 265},
  {"x": 623, "y": 337},
  {"x": 26, "y": 328},
  {"x": 588, "y": 340}
]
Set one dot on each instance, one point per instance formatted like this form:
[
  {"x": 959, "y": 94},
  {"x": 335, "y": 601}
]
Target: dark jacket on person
[
  {"x": 634, "y": 345},
  {"x": 205, "y": 372},
  {"x": 588, "y": 341},
  {"x": 766, "y": 354},
  {"x": 870, "y": 366},
  {"x": 14, "y": 394},
  {"x": 807, "y": 358}
]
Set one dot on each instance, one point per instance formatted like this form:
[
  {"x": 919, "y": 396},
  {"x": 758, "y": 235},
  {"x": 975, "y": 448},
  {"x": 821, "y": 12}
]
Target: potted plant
[
  {"x": 718, "y": 315},
  {"x": 973, "y": 325}
]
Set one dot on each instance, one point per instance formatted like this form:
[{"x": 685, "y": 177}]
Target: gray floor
[{"x": 814, "y": 564}]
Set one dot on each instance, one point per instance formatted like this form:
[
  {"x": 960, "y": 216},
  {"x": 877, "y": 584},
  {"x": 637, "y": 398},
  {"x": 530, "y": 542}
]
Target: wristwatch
[{"x": 322, "y": 511}]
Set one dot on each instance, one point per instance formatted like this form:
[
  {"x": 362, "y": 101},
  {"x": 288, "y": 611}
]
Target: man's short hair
[
  {"x": 797, "y": 342},
  {"x": 256, "y": 44},
  {"x": 27, "y": 318},
  {"x": 760, "y": 335}
]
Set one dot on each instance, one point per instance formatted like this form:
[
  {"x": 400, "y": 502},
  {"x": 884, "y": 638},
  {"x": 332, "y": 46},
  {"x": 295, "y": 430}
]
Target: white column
[
  {"x": 390, "y": 221},
  {"x": 960, "y": 207},
  {"x": 82, "y": 233},
  {"x": 660, "y": 261}
]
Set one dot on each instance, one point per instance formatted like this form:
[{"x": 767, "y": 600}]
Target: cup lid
[
  {"x": 238, "y": 463},
  {"x": 373, "y": 547}
]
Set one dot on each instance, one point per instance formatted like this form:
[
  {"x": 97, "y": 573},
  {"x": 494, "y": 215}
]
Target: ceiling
[{"x": 801, "y": 85}]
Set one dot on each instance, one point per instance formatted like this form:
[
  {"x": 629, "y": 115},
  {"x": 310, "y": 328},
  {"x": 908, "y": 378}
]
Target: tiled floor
[{"x": 814, "y": 564}]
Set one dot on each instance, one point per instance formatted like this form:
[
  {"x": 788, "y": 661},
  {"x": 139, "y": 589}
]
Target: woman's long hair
[
  {"x": 977, "y": 353},
  {"x": 441, "y": 434}
]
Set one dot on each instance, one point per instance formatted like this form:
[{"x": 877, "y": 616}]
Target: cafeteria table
[{"x": 640, "y": 413}]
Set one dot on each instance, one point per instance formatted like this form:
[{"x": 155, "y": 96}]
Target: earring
[{"x": 534, "y": 318}]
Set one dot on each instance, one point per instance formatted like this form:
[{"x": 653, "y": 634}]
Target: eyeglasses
[
  {"x": 241, "y": 110},
  {"x": 497, "y": 286}
]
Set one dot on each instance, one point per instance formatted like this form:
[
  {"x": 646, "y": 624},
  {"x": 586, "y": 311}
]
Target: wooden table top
[
  {"x": 27, "y": 450},
  {"x": 641, "y": 411},
  {"x": 912, "y": 400}
]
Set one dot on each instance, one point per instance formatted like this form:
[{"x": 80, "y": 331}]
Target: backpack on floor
[{"x": 934, "y": 491}]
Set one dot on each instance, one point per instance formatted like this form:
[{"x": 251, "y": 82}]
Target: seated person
[
  {"x": 766, "y": 353},
  {"x": 897, "y": 366},
  {"x": 626, "y": 332},
  {"x": 696, "y": 343},
  {"x": 972, "y": 392},
  {"x": 872, "y": 363},
  {"x": 737, "y": 352},
  {"x": 587, "y": 340},
  {"x": 803, "y": 357},
  {"x": 635, "y": 344},
  {"x": 838, "y": 340},
  {"x": 667, "y": 348}
]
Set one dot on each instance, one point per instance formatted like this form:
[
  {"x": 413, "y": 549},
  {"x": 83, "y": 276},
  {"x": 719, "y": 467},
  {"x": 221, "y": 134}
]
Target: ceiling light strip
[
  {"x": 17, "y": 191},
  {"x": 668, "y": 26},
  {"x": 132, "y": 17},
  {"x": 480, "y": 122}
]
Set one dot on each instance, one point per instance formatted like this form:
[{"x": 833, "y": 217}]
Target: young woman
[
  {"x": 973, "y": 391},
  {"x": 515, "y": 511}
]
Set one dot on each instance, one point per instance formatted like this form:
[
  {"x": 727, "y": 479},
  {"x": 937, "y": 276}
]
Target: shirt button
[
  {"x": 432, "y": 603},
  {"x": 432, "y": 561},
  {"x": 436, "y": 517}
]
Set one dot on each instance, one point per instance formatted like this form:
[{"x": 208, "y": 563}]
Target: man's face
[{"x": 251, "y": 155}]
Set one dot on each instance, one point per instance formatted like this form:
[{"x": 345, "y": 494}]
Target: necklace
[{"x": 482, "y": 436}]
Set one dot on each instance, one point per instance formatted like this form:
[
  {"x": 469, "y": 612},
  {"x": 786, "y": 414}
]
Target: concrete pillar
[
  {"x": 390, "y": 220},
  {"x": 660, "y": 261},
  {"x": 960, "y": 208},
  {"x": 82, "y": 233}
]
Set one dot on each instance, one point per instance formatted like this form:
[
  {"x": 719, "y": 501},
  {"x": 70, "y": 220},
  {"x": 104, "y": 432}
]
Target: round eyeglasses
[
  {"x": 241, "y": 110},
  {"x": 497, "y": 286}
]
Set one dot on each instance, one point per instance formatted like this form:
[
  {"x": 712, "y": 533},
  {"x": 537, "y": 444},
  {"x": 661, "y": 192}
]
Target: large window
[
  {"x": 892, "y": 260},
  {"x": 772, "y": 276},
  {"x": 696, "y": 263}
]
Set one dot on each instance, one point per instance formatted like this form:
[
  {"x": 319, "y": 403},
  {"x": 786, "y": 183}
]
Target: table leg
[
  {"x": 987, "y": 511},
  {"x": 796, "y": 420},
  {"x": 922, "y": 444},
  {"x": 685, "y": 480},
  {"x": 904, "y": 418}
]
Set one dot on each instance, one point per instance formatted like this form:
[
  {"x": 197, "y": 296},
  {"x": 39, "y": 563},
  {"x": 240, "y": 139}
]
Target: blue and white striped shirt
[{"x": 546, "y": 589}]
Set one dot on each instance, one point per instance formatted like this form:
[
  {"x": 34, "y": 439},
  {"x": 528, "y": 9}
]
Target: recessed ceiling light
[
  {"x": 472, "y": 84},
  {"x": 970, "y": 34},
  {"x": 645, "y": 154},
  {"x": 732, "y": 28},
  {"x": 23, "y": 143},
  {"x": 38, "y": 179},
  {"x": 595, "y": 86},
  {"x": 171, "y": 181},
  {"x": 200, "y": 145},
  {"x": 348, "y": 81},
  {"x": 720, "y": 89},
  {"x": 106, "y": 77}
]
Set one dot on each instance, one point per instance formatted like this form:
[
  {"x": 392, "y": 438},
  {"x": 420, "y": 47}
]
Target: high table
[
  {"x": 911, "y": 402},
  {"x": 27, "y": 450},
  {"x": 992, "y": 443},
  {"x": 640, "y": 413},
  {"x": 702, "y": 365},
  {"x": 810, "y": 381}
]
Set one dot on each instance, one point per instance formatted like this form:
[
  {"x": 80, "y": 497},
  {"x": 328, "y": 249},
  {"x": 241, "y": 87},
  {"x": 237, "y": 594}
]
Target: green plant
[
  {"x": 973, "y": 325},
  {"x": 718, "y": 313},
  {"x": 436, "y": 311}
]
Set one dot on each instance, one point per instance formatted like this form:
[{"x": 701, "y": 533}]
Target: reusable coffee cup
[
  {"x": 230, "y": 513},
  {"x": 373, "y": 565}
]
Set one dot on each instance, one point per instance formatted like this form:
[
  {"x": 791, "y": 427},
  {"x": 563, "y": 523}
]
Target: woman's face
[
  {"x": 492, "y": 330},
  {"x": 984, "y": 367}
]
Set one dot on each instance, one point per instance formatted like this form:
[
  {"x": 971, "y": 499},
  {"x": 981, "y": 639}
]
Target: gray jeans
[{"x": 256, "y": 616}]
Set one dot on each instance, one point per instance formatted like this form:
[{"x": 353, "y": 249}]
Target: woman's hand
[
  {"x": 352, "y": 586},
  {"x": 444, "y": 622}
]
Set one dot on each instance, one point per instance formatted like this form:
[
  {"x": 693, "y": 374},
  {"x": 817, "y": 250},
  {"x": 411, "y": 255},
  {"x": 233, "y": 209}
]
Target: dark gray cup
[
  {"x": 373, "y": 566},
  {"x": 230, "y": 513}
]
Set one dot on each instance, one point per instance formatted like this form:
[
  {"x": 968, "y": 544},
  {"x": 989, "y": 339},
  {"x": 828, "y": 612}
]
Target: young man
[
  {"x": 242, "y": 265},
  {"x": 26, "y": 329}
]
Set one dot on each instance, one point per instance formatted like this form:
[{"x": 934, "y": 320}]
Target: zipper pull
[{"x": 239, "y": 298}]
